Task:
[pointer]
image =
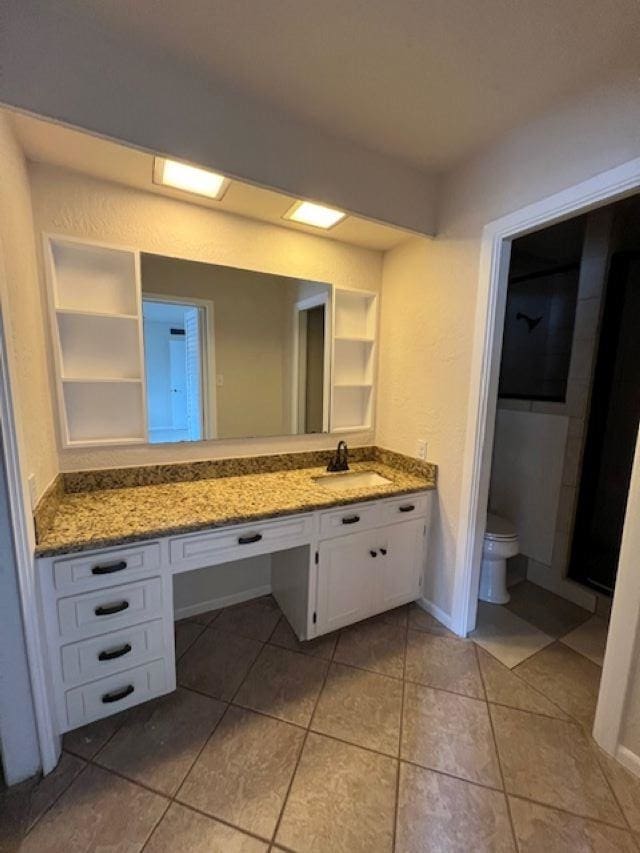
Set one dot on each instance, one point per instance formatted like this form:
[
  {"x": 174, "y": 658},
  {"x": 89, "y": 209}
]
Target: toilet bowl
[{"x": 500, "y": 543}]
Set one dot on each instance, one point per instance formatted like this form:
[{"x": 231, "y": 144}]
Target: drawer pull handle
[
  {"x": 406, "y": 508},
  {"x": 373, "y": 553},
  {"x": 115, "y": 653},
  {"x": 118, "y": 694},
  {"x": 383, "y": 551},
  {"x": 110, "y": 609},
  {"x": 249, "y": 540},
  {"x": 109, "y": 568},
  {"x": 351, "y": 519}
]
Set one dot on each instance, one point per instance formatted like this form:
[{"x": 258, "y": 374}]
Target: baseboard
[
  {"x": 563, "y": 587},
  {"x": 222, "y": 601},
  {"x": 437, "y": 613},
  {"x": 628, "y": 759}
]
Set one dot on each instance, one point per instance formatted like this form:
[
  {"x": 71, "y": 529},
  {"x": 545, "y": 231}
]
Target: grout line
[
  {"x": 497, "y": 751},
  {"x": 602, "y": 765},
  {"x": 155, "y": 826},
  {"x": 400, "y": 730},
  {"x": 222, "y": 820},
  {"x": 56, "y": 799},
  {"x": 303, "y": 744}
]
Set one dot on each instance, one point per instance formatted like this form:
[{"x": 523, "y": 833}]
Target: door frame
[
  {"x": 321, "y": 299},
  {"x": 207, "y": 347},
  {"x": 495, "y": 252}
]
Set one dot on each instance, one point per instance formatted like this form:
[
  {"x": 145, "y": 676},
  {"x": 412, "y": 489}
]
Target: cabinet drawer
[
  {"x": 105, "y": 567},
  {"x": 404, "y": 509},
  {"x": 114, "y": 693},
  {"x": 109, "y": 653},
  {"x": 349, "y": 519},
  {"x": 203, "y": 549},
  {"x": 106, "y": 609}
]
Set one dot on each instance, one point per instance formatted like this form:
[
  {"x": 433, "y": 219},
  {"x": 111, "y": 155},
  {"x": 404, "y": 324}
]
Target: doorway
[
  {"x": 176, "y": 370},
  {"x": 608, "y": 187},
  {"x": 310, "y": 363}
]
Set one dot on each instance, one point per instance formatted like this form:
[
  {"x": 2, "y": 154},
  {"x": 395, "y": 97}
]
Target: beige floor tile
[
  {"x": 217, "y": 663},
  {"x": 443, "y": 662},
  {"x": 23, "y": 804},
  {"x": 185, "y": 634},
  {"x": 362, "y": 707},
  {"x": 284, "y": 684},
  {"x": 506, "y": 636},
  {"x": 99, "y": 811},
  {"x": 243, "y": 774},
  {"x": 255, "y": 619},
  {"x": 589, "y": 639},
  {"x": 552, "y": 761},
  {"x": 420, "y": 620},
  {"x": 206, "y": 618},
  {"x": 539, "y": 828},
  {"x": 321, "y": 647},
  {"x": 505, "y": 688},
  {"x": 375, "y": 645},
  {"x": 342, "y": 800},
  {"x": 437, "y": 813},
  {"x": 554, "y": 615},
  {"x": 443, "y": 731},
  {"x": 567, "y": 678},
  {"x": 398, "y": 616},
  {"x": 160, "y": 739},
  {"x": 90, "y": 739},
  {"x": 184, "y": 830},
  {"x": 626, "y": 787}
]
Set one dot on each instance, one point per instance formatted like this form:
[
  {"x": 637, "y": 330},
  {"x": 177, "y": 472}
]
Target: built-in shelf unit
[
  {"x": 94, "y": 298},
  {"x": 354, "y": 341}
]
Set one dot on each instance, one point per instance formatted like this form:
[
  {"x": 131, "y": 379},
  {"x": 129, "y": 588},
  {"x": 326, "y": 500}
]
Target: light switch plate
[{"x": 422, "y": 449}]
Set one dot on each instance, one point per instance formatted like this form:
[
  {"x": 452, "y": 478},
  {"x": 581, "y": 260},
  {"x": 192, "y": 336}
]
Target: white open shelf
[
  {"x": 97, "y": 330},
  {"x": 353, "y": 361},
  {"x": 93, "y": 346},
  {"x": 104, "y": 412}
]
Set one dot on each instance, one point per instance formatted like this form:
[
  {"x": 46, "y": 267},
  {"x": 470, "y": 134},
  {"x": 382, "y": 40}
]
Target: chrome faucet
[{"x": 340, "y": 462}]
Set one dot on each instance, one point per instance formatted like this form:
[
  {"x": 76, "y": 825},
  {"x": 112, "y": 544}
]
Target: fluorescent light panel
[
  {"x": 190, "y": 179},
  {"x": 308, "y": 213}
]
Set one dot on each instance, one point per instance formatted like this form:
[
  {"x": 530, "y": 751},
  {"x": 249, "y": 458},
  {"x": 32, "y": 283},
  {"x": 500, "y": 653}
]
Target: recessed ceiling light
[
  {"x": 308, "y": 213},
  {"x": 191, "y": 179}
]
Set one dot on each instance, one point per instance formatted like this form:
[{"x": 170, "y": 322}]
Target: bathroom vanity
[{"x": 343, "y": 547}]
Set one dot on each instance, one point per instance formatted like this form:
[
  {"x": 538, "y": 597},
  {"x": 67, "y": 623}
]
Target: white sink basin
[{"x": 350, "y": 480}]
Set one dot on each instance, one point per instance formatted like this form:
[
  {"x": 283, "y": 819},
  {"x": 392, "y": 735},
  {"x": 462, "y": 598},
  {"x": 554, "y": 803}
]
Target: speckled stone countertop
[{"x": 98, "y": 518}]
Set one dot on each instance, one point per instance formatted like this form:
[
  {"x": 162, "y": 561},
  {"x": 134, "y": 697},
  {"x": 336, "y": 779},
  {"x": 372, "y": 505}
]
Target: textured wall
[
  {"x": 67, "y": 203},
  {"x": 428, "y": 301},
  {"x": 23, "y": 315}
]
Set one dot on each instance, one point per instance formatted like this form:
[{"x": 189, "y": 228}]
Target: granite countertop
[{"x": 99, "y": 518}]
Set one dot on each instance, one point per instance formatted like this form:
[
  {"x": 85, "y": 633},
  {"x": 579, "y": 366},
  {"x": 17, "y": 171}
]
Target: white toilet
[{"x": 500, "y": 543}]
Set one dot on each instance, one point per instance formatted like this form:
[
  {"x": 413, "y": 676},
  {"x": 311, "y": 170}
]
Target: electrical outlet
[
  {"x": 219, "y": 380},
  {"x": 33, "y": 491},
  {"x": 422, "y": 449}
]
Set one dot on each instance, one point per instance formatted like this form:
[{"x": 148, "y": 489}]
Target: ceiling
[
  {"x": 46, "y": 142},
  {"x": 425, "y": 81}
]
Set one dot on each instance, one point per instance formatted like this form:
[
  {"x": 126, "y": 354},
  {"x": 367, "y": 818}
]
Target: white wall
[
  {"x": 429, "y": 288},
  {"x": 23, "y": 313},
  {"x": 59, "y": 66},
  {"x": 71, "y": 204}
]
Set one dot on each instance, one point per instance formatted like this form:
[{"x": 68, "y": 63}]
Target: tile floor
[{"x": 391, "y": 735}]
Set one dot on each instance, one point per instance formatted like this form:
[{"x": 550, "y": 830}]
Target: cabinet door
[
  {"x": 400, "y": 569},
  {"x": 347, "y": 580}
]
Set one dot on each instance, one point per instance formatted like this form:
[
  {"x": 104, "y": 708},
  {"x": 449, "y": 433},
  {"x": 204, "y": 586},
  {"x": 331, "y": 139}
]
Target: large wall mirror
[{"x": 232, "y": 353}]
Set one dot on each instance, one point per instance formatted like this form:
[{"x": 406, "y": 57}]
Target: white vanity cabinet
[
  {"x": 108, "y": 619},
  {"x": 376, "y": 569}
]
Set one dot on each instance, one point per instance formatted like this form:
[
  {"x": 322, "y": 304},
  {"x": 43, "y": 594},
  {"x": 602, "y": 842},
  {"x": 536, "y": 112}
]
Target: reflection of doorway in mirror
[
  {"x": 310, "y": 363},
  {"x": 176, "y": 367}
]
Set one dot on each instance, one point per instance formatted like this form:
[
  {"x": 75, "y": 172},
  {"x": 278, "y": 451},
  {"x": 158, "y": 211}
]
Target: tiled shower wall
[{"x": 593, "y": 271}]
